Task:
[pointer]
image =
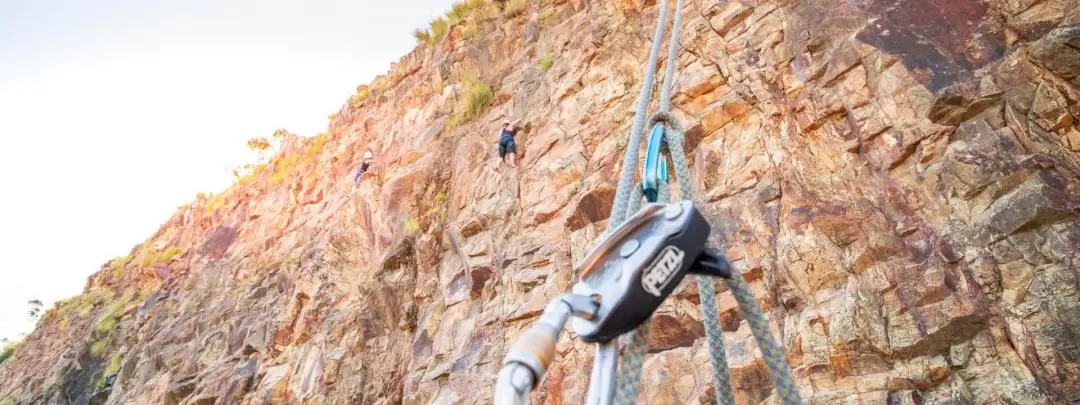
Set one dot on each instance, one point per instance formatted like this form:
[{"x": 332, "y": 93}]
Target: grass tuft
[
  {"x": 470, "y": 30},
  {"x": 411, "y": 225},
  {"x": 439, "y": 27},
  {"x": 8, "y": 351},
  {"x": 474, "y": 102},
  {"x": 98, "y": 348},
  {"x": 106, "y": 325},
  {"x": 546, "y": 62},
  {"x": 362, "y": 92},
  {"x": 514, "y": 8}
]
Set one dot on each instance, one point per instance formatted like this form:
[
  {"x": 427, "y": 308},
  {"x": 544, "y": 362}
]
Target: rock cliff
[{"x": 898, "y": 180}]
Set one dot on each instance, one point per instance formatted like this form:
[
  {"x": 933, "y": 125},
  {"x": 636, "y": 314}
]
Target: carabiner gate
[{"x": 656, "y": 168}]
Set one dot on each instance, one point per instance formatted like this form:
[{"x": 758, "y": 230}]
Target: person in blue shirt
[{"x": 506, "y": 145}]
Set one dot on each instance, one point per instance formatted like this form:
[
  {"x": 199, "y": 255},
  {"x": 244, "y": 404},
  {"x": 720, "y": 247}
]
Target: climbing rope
[{"x": 636, "y": 343}]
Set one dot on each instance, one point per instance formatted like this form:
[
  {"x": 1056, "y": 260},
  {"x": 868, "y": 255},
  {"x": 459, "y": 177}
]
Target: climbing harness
[{"x": 636, "y": 265}]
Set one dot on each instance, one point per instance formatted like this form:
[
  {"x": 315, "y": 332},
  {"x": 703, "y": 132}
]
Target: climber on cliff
[
  {"x": 506, "y": 145},
  {"x": 364, "y": 165}
]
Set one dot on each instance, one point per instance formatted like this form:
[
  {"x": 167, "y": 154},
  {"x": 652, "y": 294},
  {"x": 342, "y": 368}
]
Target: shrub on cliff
[
  {"x": 460, "y": 11},
  {"x": 470, "y": 30},
  {"x": 151, "y": 257},
  {"x": 439, "y": 28},
  {"x": 411, "y": 226},
  {"x": 547, "y": 15},
  {"x": 8, "y": 351},
  {"x": 422, "y": 36},
  {"x": 98, "y": 347},
  {"x": 111, "y": 369},
  {"x": 362, "y": 92},
  {"x": 546, "y": 62},
  {"x": 515, "y": 7},
  {"x": 474, "y": 101}
]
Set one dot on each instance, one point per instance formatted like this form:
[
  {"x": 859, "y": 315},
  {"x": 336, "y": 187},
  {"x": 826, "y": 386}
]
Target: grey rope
[
  {"x": 630, "y": 364},
  {"x": 629, "y": 368},
  {"x": 669, "y": 72},
  {"x": 675, "y": 139},
  {"x": 775, "y": 361},
  {"x": 633, "y": 147}
]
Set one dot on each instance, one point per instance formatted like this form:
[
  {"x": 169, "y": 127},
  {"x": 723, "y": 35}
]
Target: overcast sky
[{"x": 115, "y": 112}]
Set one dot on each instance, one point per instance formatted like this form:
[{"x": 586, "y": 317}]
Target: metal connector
[{"x": 532, "y": 353}]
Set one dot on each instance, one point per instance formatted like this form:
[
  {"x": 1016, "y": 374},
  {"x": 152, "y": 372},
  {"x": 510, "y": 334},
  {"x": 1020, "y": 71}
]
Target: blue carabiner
[{"x": 655, "y": 164}]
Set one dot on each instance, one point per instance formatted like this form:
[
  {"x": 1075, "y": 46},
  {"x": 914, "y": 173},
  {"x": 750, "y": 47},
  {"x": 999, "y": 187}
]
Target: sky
[{"x": 115, "y": 112}]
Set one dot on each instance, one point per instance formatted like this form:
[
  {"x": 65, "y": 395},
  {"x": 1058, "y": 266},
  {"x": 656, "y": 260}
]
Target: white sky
[{"x": 115, "y": 112}]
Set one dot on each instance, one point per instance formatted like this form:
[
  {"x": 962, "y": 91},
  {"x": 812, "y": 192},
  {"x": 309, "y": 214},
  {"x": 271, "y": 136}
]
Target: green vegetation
[
  {"x": 362, "y": 92},
  {"x": 121, "y": 262},
  {"x": 80, "y": 305},
  {"x": 440, "y": 197},
  {"x": 8, "y": 351},
  {"x": 106, "y": 325},
  {"x": 546, "y": 62},
  {"x": 547, "y": 15},
  {"x": 458, "y": 11},
  {"x": 114, "y": 310},
  {"x": 170, "y": 254},
  {"x": 216, "y": 201},
  {"x": 470, "y": 30},
  {"x": 288, "y": 262},
  {"x": 411, "y": 225},
  {"x": 247, "y": 174},
  {"x": 148, "y": 259},
  {"x": 114, "y": 364},
  {"x": 469, "y": 11},
  {"x": 381, "y": 87},
  {"x": 422, "y": 36},
  {"x": 7, "y": 401},
  {"x": 98, "y": 348},
  {"x": 288, "y": 164},
  {"x": 149, "y": 256},
  {"x": 112, "y": 368},
  {"x": 438, "y": 29},
  {"x": 474, "y": 102},
  {"x": 515, "y": 7}
]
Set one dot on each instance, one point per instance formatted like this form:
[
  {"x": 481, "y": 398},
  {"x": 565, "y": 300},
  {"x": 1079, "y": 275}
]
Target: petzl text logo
[{"x": 658, "y": 275}]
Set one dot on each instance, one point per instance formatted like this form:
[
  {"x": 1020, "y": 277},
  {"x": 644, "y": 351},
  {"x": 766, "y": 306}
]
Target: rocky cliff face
[{"x": 897, "y": 179}]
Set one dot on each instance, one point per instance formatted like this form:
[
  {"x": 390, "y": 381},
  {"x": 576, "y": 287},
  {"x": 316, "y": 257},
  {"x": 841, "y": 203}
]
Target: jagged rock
[
  {"x": 899, "y": 188},
  {"x": 1032, "y": 203},
  {"x": 1059, "y": 52}
]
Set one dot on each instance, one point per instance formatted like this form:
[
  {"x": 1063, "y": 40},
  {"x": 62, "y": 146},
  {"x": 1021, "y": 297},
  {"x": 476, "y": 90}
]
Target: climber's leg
[
  {"x": 510, "y": 147},
  {"x": 502, "y": 155}
]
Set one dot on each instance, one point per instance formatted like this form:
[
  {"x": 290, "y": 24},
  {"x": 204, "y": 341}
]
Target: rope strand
[{"x": 630, "y": 366}]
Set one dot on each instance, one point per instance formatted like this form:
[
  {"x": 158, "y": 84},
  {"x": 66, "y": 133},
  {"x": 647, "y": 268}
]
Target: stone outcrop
[{"x": 898, "y": 180}]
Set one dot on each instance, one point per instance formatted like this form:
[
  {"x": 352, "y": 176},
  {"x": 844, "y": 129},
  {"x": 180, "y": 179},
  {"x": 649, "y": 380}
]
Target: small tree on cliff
[{"x": 34, "y": 310}]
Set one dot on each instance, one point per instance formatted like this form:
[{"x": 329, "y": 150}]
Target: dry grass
[{"x": 514, "y": 8}]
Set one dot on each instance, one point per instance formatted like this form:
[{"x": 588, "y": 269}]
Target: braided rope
[
  {"x": 631, "y": 363},
  {"x": 775, "y": 362},
  {"x": 633, "y": 147}
]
